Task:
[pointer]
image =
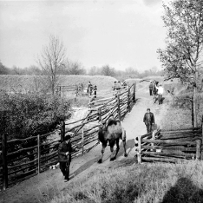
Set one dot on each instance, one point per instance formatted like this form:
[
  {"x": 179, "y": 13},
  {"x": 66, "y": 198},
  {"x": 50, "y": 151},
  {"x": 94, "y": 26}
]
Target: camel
[{"x": 111, "y": 133}]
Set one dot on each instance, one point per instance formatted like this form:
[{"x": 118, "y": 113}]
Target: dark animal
[{"x": 111, "y": 133}]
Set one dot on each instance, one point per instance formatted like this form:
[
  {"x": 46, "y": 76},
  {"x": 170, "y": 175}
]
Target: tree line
[{"x": 76, "y": 68}]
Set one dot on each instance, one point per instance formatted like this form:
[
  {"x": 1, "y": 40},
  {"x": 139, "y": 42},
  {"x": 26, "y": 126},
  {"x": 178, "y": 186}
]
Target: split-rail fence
[
  {"x": 23, "y": 158},
  {"x": 170, "y": 146}
]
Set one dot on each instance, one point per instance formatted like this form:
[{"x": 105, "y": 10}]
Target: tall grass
[{"x": 147, "y": 183}]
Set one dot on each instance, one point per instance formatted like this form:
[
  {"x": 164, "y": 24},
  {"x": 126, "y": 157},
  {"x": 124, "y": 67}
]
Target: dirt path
[{"x": 39, "y": 188}]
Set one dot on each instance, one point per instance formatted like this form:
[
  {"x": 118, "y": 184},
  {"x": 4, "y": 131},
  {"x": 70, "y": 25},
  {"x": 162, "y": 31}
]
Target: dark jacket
[
  {"x": 63, "y": 148},
  {"x": 151, "y": 86},
  {"x": 149, "y": 119}
]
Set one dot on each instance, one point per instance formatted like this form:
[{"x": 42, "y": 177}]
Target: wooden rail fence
[
  {"x": 77, "y": 89},
  {"x": 23, "y": 158},
  {"x": 170, "y": 146}
]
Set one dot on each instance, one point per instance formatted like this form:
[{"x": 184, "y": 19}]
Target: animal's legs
[
  {"x": 117, "y": 147},
  {"x": 124, "y": 143},
  {"x": 111, "y": 143},
  {"x": 102, "y": 152}
]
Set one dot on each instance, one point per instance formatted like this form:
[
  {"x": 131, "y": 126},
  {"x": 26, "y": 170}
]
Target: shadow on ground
[
  {"x": 184, "y": 191},
  {"x": 129, "y": 145}
]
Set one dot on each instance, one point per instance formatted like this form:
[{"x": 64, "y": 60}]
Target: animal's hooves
[
  {"x": 112, "y": 159},
  {"x": 125, "y": 155},
  {"x": 99, "y": 161}
]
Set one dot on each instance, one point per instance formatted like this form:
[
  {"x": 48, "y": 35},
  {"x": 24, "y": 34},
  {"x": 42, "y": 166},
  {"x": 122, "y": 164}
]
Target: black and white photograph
[{"x": 101, "y": 101}]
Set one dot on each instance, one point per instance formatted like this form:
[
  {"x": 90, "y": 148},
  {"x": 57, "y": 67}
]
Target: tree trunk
[
  {"x": 195, "y": 100},
  {"x": 194, "y": 108}
]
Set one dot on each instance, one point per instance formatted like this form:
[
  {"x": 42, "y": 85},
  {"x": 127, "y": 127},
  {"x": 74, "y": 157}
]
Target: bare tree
[
  {"x": 51, "y": 60},
  {"x": 182, "y": 56}
]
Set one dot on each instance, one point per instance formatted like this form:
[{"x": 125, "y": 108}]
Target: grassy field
[
  {"x": 28, "y": 82},
  {"x": 126, "y": 182}
]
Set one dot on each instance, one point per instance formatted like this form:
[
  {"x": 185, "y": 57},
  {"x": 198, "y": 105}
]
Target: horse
[{"x": 112, "y": 132}]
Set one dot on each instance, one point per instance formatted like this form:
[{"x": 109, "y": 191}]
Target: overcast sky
[{"x": 122, "y": 34}]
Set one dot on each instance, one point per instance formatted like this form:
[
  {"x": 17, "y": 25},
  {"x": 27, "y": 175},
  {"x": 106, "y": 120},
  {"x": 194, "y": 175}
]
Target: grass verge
[{"x": 147, "y": 183}]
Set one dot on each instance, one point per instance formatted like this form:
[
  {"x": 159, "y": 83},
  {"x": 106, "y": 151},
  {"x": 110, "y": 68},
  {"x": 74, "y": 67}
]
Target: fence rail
[
  {"x": 23, "y": 158},
  {"x": 170, "y": 146}
]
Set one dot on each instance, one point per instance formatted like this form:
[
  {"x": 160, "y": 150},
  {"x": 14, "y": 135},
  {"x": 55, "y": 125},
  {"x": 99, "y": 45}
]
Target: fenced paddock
[
  {"x": 170, "y": 146},
  {"x": 23, "y": 158}
]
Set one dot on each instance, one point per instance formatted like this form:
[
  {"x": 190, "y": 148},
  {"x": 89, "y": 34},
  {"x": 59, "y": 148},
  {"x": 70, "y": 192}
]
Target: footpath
[{"x": 38, "y": 188}]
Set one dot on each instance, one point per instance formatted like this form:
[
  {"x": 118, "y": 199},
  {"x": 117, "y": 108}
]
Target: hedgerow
[{"x": 24, "y": 115}]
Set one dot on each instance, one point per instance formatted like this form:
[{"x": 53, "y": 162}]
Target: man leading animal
[{"x": 64, "y": 154}]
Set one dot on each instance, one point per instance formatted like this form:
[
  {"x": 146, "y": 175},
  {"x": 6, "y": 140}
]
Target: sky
[{"x": 118, "y": 33}]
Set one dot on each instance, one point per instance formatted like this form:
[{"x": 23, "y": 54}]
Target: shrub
[{"x": 25, "y": 115}]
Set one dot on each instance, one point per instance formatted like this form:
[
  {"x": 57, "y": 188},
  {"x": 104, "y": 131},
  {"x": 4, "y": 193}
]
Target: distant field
[{"x": 28, "y": 82}]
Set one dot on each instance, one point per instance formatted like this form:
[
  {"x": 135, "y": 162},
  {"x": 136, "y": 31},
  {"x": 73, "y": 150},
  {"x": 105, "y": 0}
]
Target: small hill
[
  {"x": 102, "y": 82},
  {"x": 32, "y": 82}
]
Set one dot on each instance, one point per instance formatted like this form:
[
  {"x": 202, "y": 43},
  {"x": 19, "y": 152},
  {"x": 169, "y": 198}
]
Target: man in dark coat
[
  {"x": 149, "y": 120},
  {"x": 64, "y": 154},
  {"x": 151, "y": 86}
]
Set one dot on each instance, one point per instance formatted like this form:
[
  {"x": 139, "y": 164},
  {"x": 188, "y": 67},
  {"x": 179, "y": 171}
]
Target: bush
[{"x": 25, "y": 115}]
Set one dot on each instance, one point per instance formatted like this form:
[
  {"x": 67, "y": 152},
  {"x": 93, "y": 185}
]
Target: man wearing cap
[
  {"x": 64, "y": 154},
  {"x": 149, "y": 120}
]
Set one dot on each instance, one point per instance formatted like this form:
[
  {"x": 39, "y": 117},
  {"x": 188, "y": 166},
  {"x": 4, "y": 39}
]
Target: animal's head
[{"x": 102, "y": 132}]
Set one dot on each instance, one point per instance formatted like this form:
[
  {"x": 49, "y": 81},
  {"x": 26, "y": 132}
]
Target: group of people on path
[
  {"x": 91, "y": 89},
  {"x": 119, "y": 85},
  {"x": 156, "y": 90}
]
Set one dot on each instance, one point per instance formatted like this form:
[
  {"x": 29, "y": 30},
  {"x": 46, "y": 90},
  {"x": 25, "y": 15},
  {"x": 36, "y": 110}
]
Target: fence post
[
  {"x": 202, "y": 140},
  {"x": 62, "y": 130},
  {"x": 60, "y": 91},
  {"x": 38, "y": 152},
  {"x": 82, "y": 140},
  {"x": 99, "y": 113},
  {"x": 139, "y": 155},
  {"x": 134, "y": 92},
  {"x": 118, "y": 106},
  {"x": 4, "y": 159},
  {"x": 198, "y": 149},
  {"x": 128, "y": 104}
]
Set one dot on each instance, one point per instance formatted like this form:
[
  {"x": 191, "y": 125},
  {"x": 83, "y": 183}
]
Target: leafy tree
[
  {"x": 107, "y": 70},
  {"x": 3, "y": 69},
  {"x": 95, "y": 71},
  {"x": 184, "y": 42},
  {"x": 51, "y": 60},
  {"x": 75, "y": 68}
]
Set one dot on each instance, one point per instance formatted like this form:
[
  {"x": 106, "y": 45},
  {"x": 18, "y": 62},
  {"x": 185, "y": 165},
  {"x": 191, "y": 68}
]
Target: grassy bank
[
  {"x": 29, "y": 82},
  {"x": 137, "y": 183}
]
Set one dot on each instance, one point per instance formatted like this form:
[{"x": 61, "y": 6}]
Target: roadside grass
[{"x": 145, "y": 183}]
